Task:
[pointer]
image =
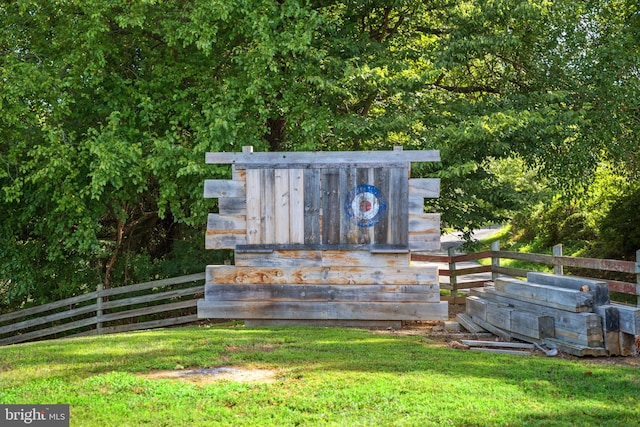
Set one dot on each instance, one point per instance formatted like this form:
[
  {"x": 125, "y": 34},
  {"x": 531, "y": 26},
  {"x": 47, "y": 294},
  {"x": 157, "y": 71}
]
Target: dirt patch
[{"x": 211, "y": 375}]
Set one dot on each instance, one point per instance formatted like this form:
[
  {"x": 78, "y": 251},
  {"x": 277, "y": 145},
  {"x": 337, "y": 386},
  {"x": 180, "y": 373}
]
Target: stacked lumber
[{"x": 572, "y": 314}]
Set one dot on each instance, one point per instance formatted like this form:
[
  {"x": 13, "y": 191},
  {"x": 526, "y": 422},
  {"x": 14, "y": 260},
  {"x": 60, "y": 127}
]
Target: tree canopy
[{"x": 107, "y": 109}]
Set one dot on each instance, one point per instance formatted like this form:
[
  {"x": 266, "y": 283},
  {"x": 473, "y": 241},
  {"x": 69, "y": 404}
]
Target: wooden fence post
[
  {"x": 99, "y": 309},
  {"x": 558, "y": 269},
  {"x": 638, "y": 277},
  {"x": 453, "y": 279},
  {"x": 495, "y": 260}
]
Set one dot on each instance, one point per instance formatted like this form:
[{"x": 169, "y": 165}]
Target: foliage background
[{"x": 107, "y": 109}]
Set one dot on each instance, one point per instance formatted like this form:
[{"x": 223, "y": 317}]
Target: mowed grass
[{"x": 323, "y": 376}]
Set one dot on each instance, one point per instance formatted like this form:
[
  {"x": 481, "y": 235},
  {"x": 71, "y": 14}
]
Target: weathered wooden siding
[{"x": 322, "y": 236}]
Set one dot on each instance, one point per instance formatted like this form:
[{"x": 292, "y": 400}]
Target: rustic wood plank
[
  {"x": 50, "y": 306},
  {"x": 312, "y": 207},
  {"x": 415, "y": 205},
  {"x": 398, "y": 207},
  {"x": 321, "y": 159},
  {"x": 599, "y": 288},
  {"x": 158, "y": 296},
  {"x": 226, "y": 224},
  {"x": 55, "y": 317},
  {"x": 476, "y": 307},
  {"x": 267, "y": 207},
  {"x": 254, "y": 209},
  {"x": 480, "y": 343},
  {"x": 467, "y": 323},
  {"x": 364, "y": 259},
  {"x": 629, "y": 318},
  {"x": 298, "y": 258},
  {"x": 282, "y": 207},
  {"x": 424, "y": 241},
  {"x": 145, "y": 311},
  {"x": 224, "y": 241},
  {"x": 424, "y": 188},
  {"x": 502, "y": 351},
  {"x": 232, "y": 206},
  {"x": 349, "y": 231},
  {"x": 299, "y": 292},
  {"x": 322, "y": 310},
  {"x": 42, "y": 333},
  {"x": 296, "y": 204},
  {"x": 153, "y": 284},
  {"x": 424, "y": 224},
  {"x": 576, "y": 349},
  {"x": 222, "y": 274},
  {"x": 221, "y": 188},
  {"x": 549, "y": 296},
  {"x": 331, "y": 206}
]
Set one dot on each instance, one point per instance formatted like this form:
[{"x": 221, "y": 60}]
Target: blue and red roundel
[{"x": 365, "y": 205}]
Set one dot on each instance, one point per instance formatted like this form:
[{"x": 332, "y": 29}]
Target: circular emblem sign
[{"x": 365, "y": 205}]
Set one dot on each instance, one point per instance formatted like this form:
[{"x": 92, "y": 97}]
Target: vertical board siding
[
  {"x": 282, "y": 195},
  {"x": 253, "y": 206},
  {"x": 312, "y": 206},
  {"x": 296, "y": 206}
]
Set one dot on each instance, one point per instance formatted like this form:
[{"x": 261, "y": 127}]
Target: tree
[{"x": 109, "y": 106}]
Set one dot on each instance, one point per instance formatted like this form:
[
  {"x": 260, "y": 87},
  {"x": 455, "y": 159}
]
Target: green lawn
[{"x": 324, "y": 376}]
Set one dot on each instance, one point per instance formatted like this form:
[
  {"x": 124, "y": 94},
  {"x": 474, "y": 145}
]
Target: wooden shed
[{"x": 322, "y": 237}]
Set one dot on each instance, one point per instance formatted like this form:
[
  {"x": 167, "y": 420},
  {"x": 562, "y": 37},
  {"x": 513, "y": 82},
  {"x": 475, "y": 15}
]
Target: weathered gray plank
[
  {"x": 50, "y": 306},
  {"x": 254, "y": 209},
  {"x": 424, "y": 224},
  {"x": 222, "y": 188},
  {"x": 25, "y": 324},
  {"x": 323, "y": 159},
  {"x": 296, "y": 205},
  {"x": 548, "y": 296},
  {"x": 153, "y": 284},
  {"x": 294, "y": 258},
  {"x": 331, "y": 206},
  {"x": 42, "y": 333},
  {"x": 424, "y": 241},
  {"x": 610, "y": 317},
  {"x": 282, "y": 206},
  {"x": 232, "y": 206},
  {"x": 297, "y": 292},
  {"x": 224, "y": 241},
  {"x": 158, "y": 296},
  {"x": 322, "y": 310},
  {"x": 145, "y": 311},
  {"x": 226, "y": 224},
  {"x": 629, "y": 318},
  {"x": 398, "y": 207},
  {"x": 467, "y": 323},
  {"x": 628, "y": 344},
  {"x": 222, "y": 274},
  {"x": 424, "y": 187},
  {"x": 476, "y": 307},
  {"x": 312, "y": 207},
  {"x": 599, "y": 288},
  {"x": 267, "y": 207}
]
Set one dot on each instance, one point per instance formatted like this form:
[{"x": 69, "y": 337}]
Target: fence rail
[
  {"x": 155, "y": 304},
  {"x": 170, "y": 302}
]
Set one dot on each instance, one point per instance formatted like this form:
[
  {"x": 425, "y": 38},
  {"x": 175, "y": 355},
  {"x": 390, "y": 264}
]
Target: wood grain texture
[
  {"x": 292, "y": 258},
  {"x": 424, "y": 187},
  {"x": 364, "y": 259},
  {"x": 548, "y": 296},
  {"x": 223, "y": 188},
  {"x": 321, "y": 158},
  {"x": 224, "y": 274},
  {"x": 299, "y": 292},
  {"x": 322, "y": 310}
]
